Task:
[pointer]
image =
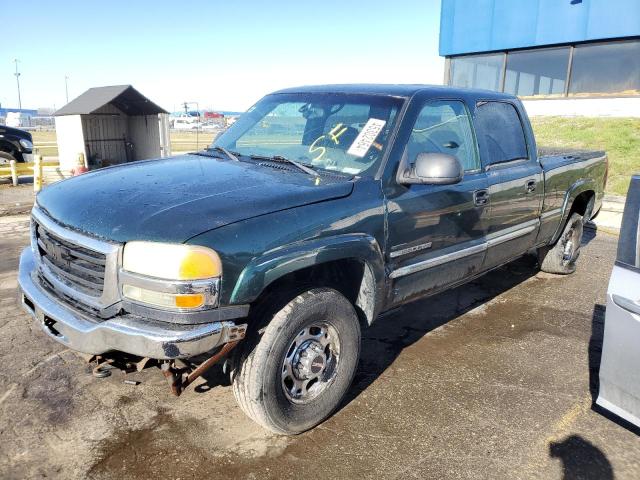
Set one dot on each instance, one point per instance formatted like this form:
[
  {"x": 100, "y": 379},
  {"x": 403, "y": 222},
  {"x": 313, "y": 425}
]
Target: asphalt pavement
[{"x": 494, "y": 379}]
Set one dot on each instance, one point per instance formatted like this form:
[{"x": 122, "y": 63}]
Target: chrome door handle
[
  {"x": 481, "y": 197},
  {"x": 530, "y": 186}
]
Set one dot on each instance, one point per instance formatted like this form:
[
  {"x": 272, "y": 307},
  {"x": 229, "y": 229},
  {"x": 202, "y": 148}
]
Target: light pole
[
  {"x": 17, "y": 74},
  {"x": 66, "y": 87},
  {"x": 186, "y": 110}
]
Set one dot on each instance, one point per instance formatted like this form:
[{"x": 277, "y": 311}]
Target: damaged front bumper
[{"x": 125, "y": 333}]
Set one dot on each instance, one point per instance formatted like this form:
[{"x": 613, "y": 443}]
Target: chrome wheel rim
[
  {"x": 310, "y": 363},
  {"x": 571, "y": 241}
]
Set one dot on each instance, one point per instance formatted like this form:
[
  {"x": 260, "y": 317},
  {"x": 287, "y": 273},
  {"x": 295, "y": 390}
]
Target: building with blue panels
[{"x": 545, "y": 49}]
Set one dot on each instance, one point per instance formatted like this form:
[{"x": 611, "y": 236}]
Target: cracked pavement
[{"x": 491, "y": 380}]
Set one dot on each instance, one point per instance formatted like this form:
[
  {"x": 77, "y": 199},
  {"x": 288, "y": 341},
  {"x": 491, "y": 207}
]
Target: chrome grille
[{"x": 80, "y": 267}]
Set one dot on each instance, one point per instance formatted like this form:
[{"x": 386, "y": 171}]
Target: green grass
[{"x": 619, "y": 137}]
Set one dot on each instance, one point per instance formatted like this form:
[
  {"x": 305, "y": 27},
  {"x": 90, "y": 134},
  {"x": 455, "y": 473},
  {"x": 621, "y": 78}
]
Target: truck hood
[{"x": 174, "y": 199}]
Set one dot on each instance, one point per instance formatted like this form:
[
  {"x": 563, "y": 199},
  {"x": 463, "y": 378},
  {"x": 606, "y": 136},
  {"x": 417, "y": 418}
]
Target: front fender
[{"x": 264, "y": 270}]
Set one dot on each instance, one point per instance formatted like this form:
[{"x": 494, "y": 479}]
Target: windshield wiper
[
  {"x": 230, "y": 155},
  {"x": 281, "y": 159}
]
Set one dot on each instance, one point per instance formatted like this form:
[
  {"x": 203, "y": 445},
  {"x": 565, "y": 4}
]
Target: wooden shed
[{"x": 111, "y": 125}]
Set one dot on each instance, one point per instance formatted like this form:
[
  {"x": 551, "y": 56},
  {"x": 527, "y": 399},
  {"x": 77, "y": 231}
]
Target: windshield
[{"x": 343, "y": 133}]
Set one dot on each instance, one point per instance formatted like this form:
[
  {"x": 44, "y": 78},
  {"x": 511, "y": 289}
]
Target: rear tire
[
  {"x": 291, "y": 374},
  {"x": 561, "y": 258}
]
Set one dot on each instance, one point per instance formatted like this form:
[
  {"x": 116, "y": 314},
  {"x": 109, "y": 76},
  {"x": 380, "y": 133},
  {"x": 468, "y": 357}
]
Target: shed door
[{"x": 165, "y": 140}]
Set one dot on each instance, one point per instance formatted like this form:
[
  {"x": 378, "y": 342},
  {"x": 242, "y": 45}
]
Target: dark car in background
[{"x": 15, "y": 144}]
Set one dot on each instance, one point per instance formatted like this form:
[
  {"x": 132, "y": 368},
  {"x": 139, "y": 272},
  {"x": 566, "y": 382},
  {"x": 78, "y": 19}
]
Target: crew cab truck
[{"x": 320, "y": 208}]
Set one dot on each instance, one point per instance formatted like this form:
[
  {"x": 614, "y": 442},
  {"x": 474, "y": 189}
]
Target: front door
[
  {"x": 516, "y": 183},
  {"x": 436, "y": 232},
  {"x": 620, "y": 363}
]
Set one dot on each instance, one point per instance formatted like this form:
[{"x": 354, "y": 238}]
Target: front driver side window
[{"x": 444, "y": 126}]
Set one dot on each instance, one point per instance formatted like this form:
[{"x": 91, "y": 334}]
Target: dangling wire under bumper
[{"x": 180, "y": 378}]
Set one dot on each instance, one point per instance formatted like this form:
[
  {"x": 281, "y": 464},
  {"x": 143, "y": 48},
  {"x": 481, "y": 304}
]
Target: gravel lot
[{"x": 490, "y": 380}]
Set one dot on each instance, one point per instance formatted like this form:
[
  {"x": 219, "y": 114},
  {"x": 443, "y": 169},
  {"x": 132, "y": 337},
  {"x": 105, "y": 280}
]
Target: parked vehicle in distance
[
  {"x": 18, "y": 119},
  {"x": 185, "y": 120},
  {"x": 15, "y": 144},
  {"x": 619, "y": 390},
  {"x": 320, "y": 208}
]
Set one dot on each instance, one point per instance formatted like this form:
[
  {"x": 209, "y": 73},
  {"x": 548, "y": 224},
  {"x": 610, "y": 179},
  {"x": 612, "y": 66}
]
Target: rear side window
[
  {"x": 500, "y": 132},
  {"x": 444, "y": 127}
]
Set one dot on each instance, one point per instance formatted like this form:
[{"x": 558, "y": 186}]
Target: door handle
[
  {"x": 481, "y": 197},
  {"x": 530, "y": 186},
  {"x": 628, "y": 305}
]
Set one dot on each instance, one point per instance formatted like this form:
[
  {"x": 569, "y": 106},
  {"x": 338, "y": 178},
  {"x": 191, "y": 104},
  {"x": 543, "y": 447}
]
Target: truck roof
[{"x": 398, "y": 90}]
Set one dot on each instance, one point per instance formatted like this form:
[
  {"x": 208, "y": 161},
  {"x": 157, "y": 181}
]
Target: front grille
[{"x": 79, "y": 267}]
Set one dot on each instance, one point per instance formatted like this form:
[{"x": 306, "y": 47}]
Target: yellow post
[
  {"x": 14, "y": 172},
  {"x": 37, "y": 173}
]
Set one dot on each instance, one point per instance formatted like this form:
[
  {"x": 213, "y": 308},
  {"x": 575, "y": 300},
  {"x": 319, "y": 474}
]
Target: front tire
[
  {"x": 293, "y": 373},
  {"x": 561, "y": 258},
  {"x": 5, "y": 158}
]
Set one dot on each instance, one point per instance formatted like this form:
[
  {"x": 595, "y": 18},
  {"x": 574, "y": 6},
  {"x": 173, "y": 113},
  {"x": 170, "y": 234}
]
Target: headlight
[
  {"x": 171, "y": 261},
  {"x": 170, "y": 276},
  {"x": 26, "y": 144}
]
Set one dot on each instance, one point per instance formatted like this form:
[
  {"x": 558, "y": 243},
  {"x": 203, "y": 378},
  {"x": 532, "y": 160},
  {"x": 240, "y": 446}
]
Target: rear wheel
[
  {"x": 293, "y": 373},
  {"x": 561, "y": 258}
]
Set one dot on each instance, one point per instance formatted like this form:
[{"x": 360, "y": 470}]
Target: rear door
[
  {"x": 436, "y": 232},
  {"x": 620, "y": 364},
  {"x": 515, "y": 178}
]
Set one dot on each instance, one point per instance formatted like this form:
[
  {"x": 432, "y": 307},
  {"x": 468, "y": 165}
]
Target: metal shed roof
[{"x": 124, "y": 97}]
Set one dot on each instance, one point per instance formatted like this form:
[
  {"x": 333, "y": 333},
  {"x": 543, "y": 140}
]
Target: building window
[
  {"x": 537, "y": 72},
  {"x": 477, "y": 71},
  {"x": 611, "y": 68}
]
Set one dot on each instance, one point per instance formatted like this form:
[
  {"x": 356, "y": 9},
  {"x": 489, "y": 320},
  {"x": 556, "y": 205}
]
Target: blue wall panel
[{"x": 471, "y": 26}]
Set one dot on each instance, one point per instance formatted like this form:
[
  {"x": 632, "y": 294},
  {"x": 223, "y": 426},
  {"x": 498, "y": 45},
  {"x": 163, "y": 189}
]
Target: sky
[{"x": 223, "y": 55}]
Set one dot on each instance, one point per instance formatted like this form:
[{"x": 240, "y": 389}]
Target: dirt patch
[
  {"x": 53, "y": 389},
  {"x": 158, "y": 450}
]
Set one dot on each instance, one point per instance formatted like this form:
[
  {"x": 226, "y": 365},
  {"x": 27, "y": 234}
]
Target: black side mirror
[{"x": 434, "y": 169}]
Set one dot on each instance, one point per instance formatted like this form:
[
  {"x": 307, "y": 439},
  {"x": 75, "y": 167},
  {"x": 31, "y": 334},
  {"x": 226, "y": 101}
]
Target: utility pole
[
  {"x": 17, "y": 74},
  {"x": 66, "y": 86}
]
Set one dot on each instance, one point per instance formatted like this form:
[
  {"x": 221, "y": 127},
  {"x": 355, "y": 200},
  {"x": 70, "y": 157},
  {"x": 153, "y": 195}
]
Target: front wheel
[
  {"x": 5, "y": 158},
  {"x": 561, "y": 257},
  {"x": 293, "y": 373}
]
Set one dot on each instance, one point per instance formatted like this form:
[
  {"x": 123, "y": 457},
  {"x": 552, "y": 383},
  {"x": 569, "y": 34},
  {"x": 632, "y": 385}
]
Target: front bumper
[{"x": 125, "y": 333}]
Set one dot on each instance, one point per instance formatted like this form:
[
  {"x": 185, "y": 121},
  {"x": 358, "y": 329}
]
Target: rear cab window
[{"x": 500, "y": 133}]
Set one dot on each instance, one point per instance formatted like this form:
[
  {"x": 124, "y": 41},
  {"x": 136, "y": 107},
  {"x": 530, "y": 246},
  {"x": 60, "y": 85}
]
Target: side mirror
[{"x": 434, "y": 169}]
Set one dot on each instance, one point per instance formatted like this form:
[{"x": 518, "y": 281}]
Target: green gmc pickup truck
[{"x": 320, "y": 208}]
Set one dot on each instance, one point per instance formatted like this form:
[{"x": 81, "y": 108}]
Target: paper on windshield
[{"x": 366, "y": 137}]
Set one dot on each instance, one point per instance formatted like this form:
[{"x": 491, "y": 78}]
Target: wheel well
[
  {"x": 581, "y": 203},
  {"x": 10, "y": 149},
  {"x": 351, "y": 277}
]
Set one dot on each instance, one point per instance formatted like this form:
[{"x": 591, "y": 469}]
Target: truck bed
[{"x": 567, "y": 172}]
